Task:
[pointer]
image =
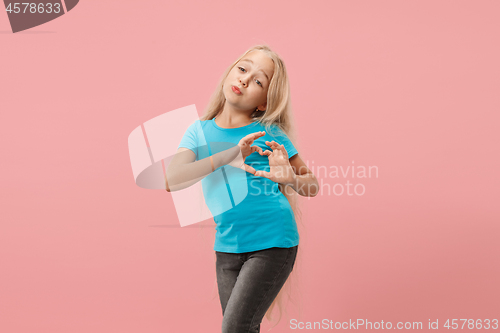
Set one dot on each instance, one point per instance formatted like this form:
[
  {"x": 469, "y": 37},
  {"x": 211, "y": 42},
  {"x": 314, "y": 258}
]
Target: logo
[{"x": 26, "y": 15}]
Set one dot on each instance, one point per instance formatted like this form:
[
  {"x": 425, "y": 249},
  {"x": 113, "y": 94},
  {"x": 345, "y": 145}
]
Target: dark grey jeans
[{"x": 248, "y": 284}]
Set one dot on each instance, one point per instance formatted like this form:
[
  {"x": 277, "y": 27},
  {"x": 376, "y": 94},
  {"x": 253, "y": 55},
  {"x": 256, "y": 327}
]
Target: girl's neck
[{"x": 227, "y": 120}]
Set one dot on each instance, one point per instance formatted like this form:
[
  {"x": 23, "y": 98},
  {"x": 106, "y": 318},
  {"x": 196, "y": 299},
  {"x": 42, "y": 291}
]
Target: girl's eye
[{"x": 243, "y": 70}]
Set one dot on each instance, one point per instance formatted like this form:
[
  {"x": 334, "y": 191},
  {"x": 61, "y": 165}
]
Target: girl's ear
[{"x": 262, "y": 107}]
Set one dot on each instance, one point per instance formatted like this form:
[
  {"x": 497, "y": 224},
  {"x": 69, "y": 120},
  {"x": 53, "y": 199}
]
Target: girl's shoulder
[
  {"x": 274, "y": 130},
  {"x": 201, "y": 123}
]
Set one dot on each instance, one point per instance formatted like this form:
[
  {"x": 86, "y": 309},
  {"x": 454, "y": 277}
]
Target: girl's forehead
[{"x": 261, "y": 60}]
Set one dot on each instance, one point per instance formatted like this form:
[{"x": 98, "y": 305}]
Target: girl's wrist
[
  {"x": 237, "y": 160},
  {"x": 292, "y": 182}
]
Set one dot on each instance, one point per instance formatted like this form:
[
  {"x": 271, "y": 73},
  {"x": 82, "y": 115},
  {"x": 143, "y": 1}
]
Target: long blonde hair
[{"x": 279, "y": 113}]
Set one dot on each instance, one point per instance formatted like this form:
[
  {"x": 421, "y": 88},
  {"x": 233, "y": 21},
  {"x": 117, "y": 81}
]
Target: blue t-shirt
[{"x": 250, "y": 212}]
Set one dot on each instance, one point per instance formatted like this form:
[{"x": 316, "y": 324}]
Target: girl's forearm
[
  {"x": 180, "y": 176},
  {"x": 305, "y": 185}
]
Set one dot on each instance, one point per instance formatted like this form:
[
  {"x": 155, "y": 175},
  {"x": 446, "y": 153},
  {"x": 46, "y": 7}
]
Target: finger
[
  {"x": 263, "y": 174},
  {"x": 248, "y": 168},
  {"x": 282, "y": 149},
  {"x": 251, "y": 137},
  {"x": 285, "y": 153},
  {"x": 267, "y": 152},
  {"x": 258, "y": 134},
  {"x": 257, "y": 148},
  {"x": 276, "y": 147},
  {"x": 279, "y": 151},
  {"x": 272, "y": 144}
]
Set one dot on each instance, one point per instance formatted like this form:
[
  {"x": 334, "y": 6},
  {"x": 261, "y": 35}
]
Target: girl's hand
[
  {"x": 245, "y": 144},
  {"x": 280, "y": 169},
  {"x": 246, "y": 149}
]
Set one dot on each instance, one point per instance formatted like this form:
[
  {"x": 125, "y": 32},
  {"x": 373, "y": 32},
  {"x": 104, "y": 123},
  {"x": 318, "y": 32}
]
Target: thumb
[
  {"x": 248, "y": 168},
  {"x": 264, "y": 174}
]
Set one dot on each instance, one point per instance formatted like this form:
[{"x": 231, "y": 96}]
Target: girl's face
[{"x": 246, "y": 85}]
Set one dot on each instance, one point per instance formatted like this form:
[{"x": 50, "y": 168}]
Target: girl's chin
[
  {"x": 234, "y": 100},
  {"x": 236, "y": 106}
]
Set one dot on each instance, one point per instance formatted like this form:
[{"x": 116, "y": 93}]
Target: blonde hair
[{"x": 279, "y": 113}]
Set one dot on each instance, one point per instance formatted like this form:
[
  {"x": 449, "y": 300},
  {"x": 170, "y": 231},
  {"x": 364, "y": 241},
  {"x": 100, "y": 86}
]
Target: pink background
[{"x": 410, "y": 87}]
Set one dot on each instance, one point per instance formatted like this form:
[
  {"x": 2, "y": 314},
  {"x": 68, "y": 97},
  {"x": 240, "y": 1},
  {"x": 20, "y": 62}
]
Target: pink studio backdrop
[{"x": 409, "y": 87}]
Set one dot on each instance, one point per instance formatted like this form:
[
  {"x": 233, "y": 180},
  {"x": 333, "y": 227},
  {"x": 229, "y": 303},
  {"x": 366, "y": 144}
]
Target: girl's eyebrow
[{"x": 260, "y": 70}]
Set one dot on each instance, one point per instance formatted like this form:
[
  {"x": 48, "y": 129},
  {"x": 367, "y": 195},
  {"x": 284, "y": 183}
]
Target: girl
[{"x": 247, "y": 130}]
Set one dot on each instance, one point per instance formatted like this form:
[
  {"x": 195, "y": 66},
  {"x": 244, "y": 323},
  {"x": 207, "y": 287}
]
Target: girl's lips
[{"x": 236, "y": 90}]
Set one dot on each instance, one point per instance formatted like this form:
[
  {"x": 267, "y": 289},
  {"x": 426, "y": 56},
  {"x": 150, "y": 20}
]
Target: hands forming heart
[{"x": 280, "y": 169}]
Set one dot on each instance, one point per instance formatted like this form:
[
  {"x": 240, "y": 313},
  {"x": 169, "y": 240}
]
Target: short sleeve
[
  {"x": 190, "y": 138},
  {"x": 281, "y": 138}
]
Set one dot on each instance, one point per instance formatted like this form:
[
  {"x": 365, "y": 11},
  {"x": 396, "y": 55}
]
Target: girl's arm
[
  {"x": 183, "y": 171},
  {"x": 304, "y": 181}
]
